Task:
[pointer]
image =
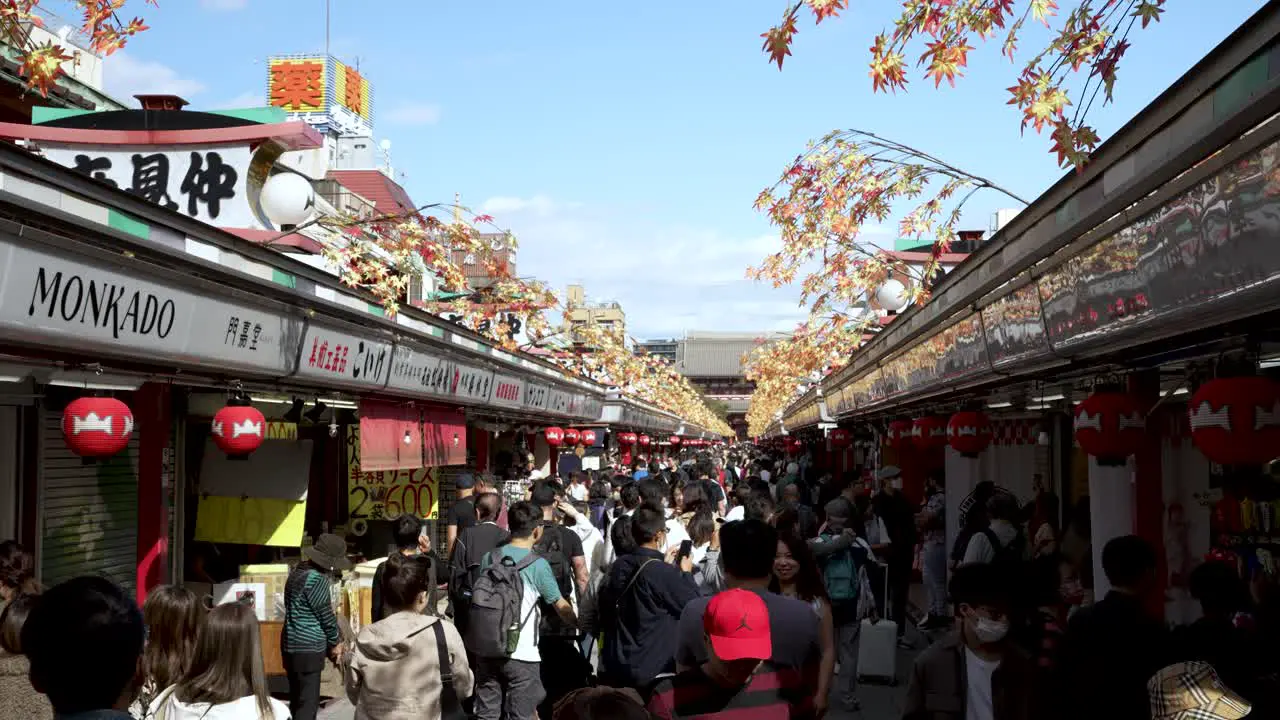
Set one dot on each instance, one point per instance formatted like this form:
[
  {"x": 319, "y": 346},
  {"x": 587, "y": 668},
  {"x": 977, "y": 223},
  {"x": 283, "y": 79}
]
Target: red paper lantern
[
  {"x": 675, "y": 440},
  {"x": 588, "y": 437},
  {"x": 840, "y": 438},
  {"x": 571, "y": 437},
  {"x": 97, "y": 426},
  {"x": 928, "y": 433},
  {"x": 969, "y": 432},
  {"x": 1110, "y": 426},
  {"x": 900, "y": 434},
  {"x": 1236, "y": 421},
  {"x": 554, "y": 436},
  {"x": 644, "y": 440},
  {"x": 626, "y": 438},
  {"x": 238, "y": 430}
]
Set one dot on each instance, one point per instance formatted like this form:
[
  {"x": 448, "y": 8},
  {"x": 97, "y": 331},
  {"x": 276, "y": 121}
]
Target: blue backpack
[{"x": 840, "y": 574}]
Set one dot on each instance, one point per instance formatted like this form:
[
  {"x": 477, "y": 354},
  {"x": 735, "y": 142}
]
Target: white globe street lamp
[
  {"x": 892, "y": 295},
  {"x": 288, "y": 200}
]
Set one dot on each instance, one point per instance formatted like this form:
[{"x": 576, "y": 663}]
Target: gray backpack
[{"x": 494, "y": 622}]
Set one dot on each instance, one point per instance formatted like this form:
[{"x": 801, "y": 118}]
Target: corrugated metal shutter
[{"x": 89, "y": 512}]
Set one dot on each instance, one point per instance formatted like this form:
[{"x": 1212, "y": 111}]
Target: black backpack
[
  {"x": 552, "y": 548},
  {"x": 495, "y": 621},
  {"x": 1009, "y": 558}
]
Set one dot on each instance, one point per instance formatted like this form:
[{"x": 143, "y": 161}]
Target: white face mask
[{"x": 990, "y": 631}]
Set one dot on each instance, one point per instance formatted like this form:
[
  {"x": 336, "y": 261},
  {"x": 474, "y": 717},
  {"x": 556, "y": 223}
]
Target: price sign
[{"x": 388, "y": 494}]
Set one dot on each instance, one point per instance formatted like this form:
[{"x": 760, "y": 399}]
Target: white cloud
[
  {"x": 241, "y": 101},
  {"x": 223, "y": 4},
  {"x": 538, "y": 204},
  {"x": 668, "y": 278},
  {"x": 414, "y": 114},
  {"x": 125, "y": 76}
]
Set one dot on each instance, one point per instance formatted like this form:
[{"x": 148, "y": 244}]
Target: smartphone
[{"x": 686, "y": 549}]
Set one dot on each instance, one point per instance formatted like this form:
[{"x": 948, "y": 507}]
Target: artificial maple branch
[
  {"x": 820, "y": 205},
  {"x": 1092, "y": 37},
  {"x": 42, "y": 64}
]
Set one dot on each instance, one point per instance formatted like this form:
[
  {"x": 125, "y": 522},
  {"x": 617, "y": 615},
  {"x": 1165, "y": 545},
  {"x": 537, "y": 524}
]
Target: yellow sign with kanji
[
  {"x": 351, "y": 89},
  {"x": 298, "y": 84},
  {"x": 388, "y": 494}
]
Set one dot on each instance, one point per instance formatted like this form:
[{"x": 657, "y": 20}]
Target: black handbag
[{"x": 450, "y": 704}]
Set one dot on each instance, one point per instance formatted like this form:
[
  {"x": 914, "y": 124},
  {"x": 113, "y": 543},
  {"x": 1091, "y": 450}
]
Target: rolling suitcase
[{"x": 878, "y": 647}]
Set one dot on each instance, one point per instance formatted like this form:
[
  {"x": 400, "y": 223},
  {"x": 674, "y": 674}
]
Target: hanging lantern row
[
  {"x": 900, "y": 434},
  {"x": 97, "y": 427},
  {"x": 930, "y": 432},
  {"x": 1236, "y": 420},
  {"x": 1110, "y": 426},
  {"x": 840, "y": 438},
  {"x": 674, "y": 440},
  {"x": 571, "y": 437},
  {"x": 644, "y": 441}
]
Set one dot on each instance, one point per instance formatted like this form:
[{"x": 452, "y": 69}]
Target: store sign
[
  {"x": 558, "y": 402},
  {"x": 508, "y": 391},
  {"x": 207, "y": 183},
  {"x": 536, "y": 396},
  {"x": 416, "y": 372},
  {"x": 67, "y": 302},
  {"x": 473, "y": 384},
  {"x": 337, "y": 356}
]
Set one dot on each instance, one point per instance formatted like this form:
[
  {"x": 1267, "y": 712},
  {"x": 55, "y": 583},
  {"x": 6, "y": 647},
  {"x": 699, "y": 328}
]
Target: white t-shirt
[
  {"x": 676, "y": 533},
  {"x": 577, "y": 492},
  {"x": 978, "y": 702},
  {"x": 736, "y": 513},
  {"x": 246, "y": 708},
  {"x": 765, "y": 475}
]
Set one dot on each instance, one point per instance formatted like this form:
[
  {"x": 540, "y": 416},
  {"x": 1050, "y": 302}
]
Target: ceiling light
[
  {"x": 998, "y": 405},
  {"x": 1269, "y": 363},
  {"x": 1181, "y": 391},
  {"x": 1051, "y": 398}
]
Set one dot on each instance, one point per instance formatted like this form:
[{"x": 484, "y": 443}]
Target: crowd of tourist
[{"x": 723, "y": 586}]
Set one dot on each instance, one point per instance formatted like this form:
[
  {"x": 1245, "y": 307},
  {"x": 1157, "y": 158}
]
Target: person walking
[
  {"x": 408, "y": 665},
  {"x": 412, "y": 540},
  {"x": 976, "y": 671},
  {"x": 900, "y": 518},
  {"x": 174, "y": 616},
  {"x": 226, "y": 680},
  {"x": 310, "y": 633},
  {"x": 932, "y": 521}
]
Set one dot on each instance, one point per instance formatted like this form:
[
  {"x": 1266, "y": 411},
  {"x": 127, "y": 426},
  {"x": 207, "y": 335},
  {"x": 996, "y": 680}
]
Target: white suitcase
[
  {"x": 878, "y": 645},
  {"x": 878, "y": 651}
]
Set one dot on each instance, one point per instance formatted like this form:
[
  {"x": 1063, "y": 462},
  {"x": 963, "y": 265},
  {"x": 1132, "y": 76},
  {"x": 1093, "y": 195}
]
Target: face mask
[{"x": 990, "y": 631}]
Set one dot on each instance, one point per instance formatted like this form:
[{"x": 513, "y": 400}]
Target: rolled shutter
[{"x": 89, "y": 511}]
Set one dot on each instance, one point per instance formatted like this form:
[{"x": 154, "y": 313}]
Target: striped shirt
[
  {"x": 309, "y": 623},
  {"x": 771, "y": 694}
]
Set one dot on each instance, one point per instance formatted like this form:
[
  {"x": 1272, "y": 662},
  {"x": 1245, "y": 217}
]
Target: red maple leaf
[{"x": 777, "y": 41}]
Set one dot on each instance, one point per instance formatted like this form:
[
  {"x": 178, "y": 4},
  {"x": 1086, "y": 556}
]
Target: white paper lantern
[
  {"x": 288, "y": 199},
  {"x": 892, "y": 295}
]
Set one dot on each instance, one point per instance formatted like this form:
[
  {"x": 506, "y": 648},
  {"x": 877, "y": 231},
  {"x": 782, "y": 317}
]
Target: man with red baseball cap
[{"x": 737, "y": 681}]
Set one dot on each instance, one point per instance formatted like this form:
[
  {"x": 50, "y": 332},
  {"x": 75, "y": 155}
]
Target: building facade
[{"x": 579, "y": 312}]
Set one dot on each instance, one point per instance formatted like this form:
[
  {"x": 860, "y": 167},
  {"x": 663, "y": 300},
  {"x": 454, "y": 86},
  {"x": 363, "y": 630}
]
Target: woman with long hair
[
  {"x": 796, "y": 575},
  {"x": 395, "y": 670},
  {"x": 20, "y": 699},
  {"x": 226, "y": 680},
  {"x": 173, "y": 616}
]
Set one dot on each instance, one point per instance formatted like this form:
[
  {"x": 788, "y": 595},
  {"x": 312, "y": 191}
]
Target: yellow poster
[
  {"x": 250, "y": 521},
  {"x": 281, "y": 431},
  {"x": 389, "y": 493}
]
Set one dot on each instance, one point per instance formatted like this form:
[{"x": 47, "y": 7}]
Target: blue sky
[{"x": 624, "y": 143}]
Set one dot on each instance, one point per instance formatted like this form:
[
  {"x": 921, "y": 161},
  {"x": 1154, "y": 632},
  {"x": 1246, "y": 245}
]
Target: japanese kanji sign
[
  {"x": 352, "y": 89},
  {"x": 298, "y": 85},
  {"x": 206, "y": 182},
  {"x": 387, "y": 494},
  {"x": 321, "y": 91}
]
